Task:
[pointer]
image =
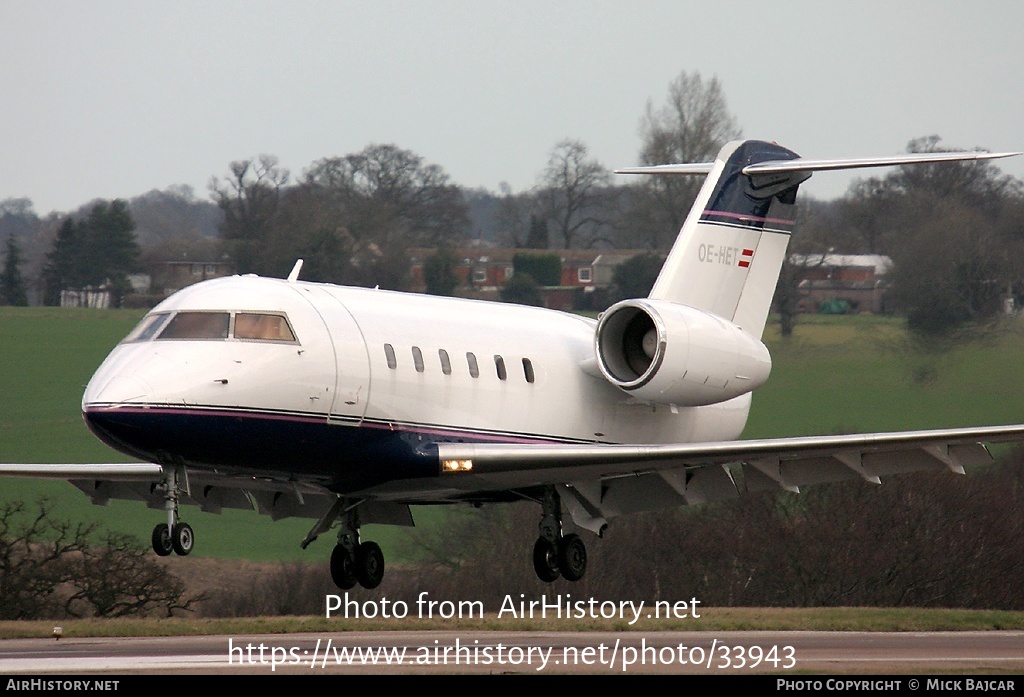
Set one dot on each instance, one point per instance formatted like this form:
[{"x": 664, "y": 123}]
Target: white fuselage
[{"x": 431, "y": 369}]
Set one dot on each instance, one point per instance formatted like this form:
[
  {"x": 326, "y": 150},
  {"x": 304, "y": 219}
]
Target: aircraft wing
[
  {"x": 599, "y": 481},
  {"x": 116, "y": 471},
  {"x": 611, "y": 480},
  {"x": 142, "y": 481}
]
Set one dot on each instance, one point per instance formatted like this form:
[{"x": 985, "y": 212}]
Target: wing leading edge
[
  {"x": 611, "y": 480},
  {"x": 598, "y": 481}
]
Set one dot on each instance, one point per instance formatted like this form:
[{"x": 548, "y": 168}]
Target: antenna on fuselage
[{"x": 294, "y": 275}]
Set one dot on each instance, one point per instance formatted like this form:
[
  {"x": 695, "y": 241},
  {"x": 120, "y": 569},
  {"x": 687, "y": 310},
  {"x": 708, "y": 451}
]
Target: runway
[{"x": 503, "y": 652}]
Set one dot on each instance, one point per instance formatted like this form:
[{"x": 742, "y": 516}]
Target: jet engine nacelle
[{"x": 666, "y": 353}]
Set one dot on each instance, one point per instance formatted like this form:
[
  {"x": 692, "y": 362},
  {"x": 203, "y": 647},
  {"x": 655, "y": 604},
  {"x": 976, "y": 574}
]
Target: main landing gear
[
  {"x": 174, "y": 535},
  {"x": 556, "y": 555},
  {"x": 352, "y": 561}
]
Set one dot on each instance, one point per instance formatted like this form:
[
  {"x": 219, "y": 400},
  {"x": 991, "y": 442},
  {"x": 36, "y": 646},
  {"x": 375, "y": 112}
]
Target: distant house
[
  {"x": 100, "y": 296},
  {"x": 171, "y": 276},
  {"x": 834, "y": 281},
  {"x": 483, "y": 272},
  {"x": 86, "y": 297}
]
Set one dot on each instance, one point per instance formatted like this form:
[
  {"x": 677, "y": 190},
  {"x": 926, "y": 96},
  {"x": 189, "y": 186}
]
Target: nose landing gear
[{"x": 173, "y": 536}]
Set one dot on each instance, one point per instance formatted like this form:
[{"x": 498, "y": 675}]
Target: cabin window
[
  {"x": 528, "y": 370},
  {"x": 446, "y": 364},
  {"x": 149, "y": 327},
  {"x": 499, "y": 365},
  {"x": 584, "y": 274},
  {"x": 389, "y": 354},
  {"x": 197, "y": 325},
  {"x": 262, "y": 327},
  {"x": 417, "y": 358},
  {"x": 474, "y": 368}
]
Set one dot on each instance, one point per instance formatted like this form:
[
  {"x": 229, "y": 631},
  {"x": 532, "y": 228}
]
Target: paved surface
[{"x": 469, "y": 652}]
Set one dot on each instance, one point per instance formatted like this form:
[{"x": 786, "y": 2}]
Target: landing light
[{"x": 456, "y": 465}]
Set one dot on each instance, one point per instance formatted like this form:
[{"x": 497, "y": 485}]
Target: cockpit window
[
  {"x": 246, "y": 326},
  {"x": 197, "y": 325},
  {"x": 261, "y": 327},
  {"x": 148, "y": 327}
]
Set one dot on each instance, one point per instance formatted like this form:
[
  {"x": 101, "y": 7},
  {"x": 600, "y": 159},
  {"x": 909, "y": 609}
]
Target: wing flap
[
  {"x": 611, "y": 480},
  {"x": 878, "y": 452},
  {"x": 212, "y": 492}
]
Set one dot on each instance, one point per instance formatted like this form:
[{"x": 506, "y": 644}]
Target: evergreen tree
[
  {"x": 439, "y": 272},
  {"x": 635, "y": 277},
  {"x": 12, "y": 284},
  {"x": 521, "y": 289},
  {"x": 111, "y": 250},
  {"x": 98, "y": 251},
  {"x": 64, "y": 264},
  {"x": 538, "y": 237}
]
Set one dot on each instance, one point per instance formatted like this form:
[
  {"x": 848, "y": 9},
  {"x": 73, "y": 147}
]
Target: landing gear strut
[
  {"x": 556, "y": 555},
  {"x": 352, "y": 561},
  {"x": 174, "y": 535}
]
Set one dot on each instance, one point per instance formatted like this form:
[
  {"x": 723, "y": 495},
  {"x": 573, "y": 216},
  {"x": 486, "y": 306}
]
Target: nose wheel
[
  {"x": 172, "y": 536},
  {"x": 179, "y": 540}
]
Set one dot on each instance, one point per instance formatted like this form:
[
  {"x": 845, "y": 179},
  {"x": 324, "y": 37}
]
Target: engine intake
[{"x": 667, "y": 353}]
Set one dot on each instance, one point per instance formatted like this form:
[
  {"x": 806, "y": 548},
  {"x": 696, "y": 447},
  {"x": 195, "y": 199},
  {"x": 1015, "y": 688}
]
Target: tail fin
[{"x": 729, "y": 252}]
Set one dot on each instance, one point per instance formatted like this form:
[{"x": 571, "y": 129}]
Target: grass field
[
  {"x": 712, "y": 620},
  {"x": 836, "y": 374}
]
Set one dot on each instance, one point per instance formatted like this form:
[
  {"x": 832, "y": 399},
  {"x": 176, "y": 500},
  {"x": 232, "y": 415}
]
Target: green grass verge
[{"x": 712, "y": 619}]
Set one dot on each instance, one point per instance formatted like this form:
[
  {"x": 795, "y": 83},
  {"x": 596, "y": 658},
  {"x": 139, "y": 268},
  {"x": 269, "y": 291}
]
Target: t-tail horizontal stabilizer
[
  {"x": 729, "y": 252},
  {"x": 806, "y": 165}
]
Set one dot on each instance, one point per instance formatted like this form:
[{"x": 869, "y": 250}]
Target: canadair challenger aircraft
[{"x": 349, "y": 405}]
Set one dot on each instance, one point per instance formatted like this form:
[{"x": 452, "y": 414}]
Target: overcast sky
[{"x": 105, "y": 99}]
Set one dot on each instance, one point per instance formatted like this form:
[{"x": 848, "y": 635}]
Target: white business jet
[{"x": 349, "y": 405}]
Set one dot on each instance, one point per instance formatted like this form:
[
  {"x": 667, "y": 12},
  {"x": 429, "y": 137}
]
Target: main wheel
[
  {"x": 545, "y": 560},
  {"x": 572, "y": 557},
  {"x": 162, "y": 540},
  {"x": 343, "y": 571},
  {"x": 369, "y": 565},
  {"x": 182, "y": 539}
]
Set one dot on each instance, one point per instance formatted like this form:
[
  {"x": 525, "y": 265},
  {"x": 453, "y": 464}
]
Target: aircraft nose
[
  {"x": 113, "y": 398},
  {"x": 117, "y": 390},
  {"x": 129, "y": 375}
]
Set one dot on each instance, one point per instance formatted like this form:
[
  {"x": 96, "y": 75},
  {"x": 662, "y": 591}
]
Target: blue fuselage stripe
[{"x": 348, "y": 454}]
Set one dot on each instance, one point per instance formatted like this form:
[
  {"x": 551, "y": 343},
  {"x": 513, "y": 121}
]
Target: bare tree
[
  {"x": 571, "y": 189},
  {"x": 119, "y": 578},
  {"x": 50, "y": 567},
  {"x": 34, "y": 553},
  {"x": 388, "y": 181},
  {"x": 953, "y": 230},
  {"x": 517, "y": 221},
  {"x": 691, "y": 126},
  {"x": 249, "y": 199},
  {"x": 357, "y": 216}
]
